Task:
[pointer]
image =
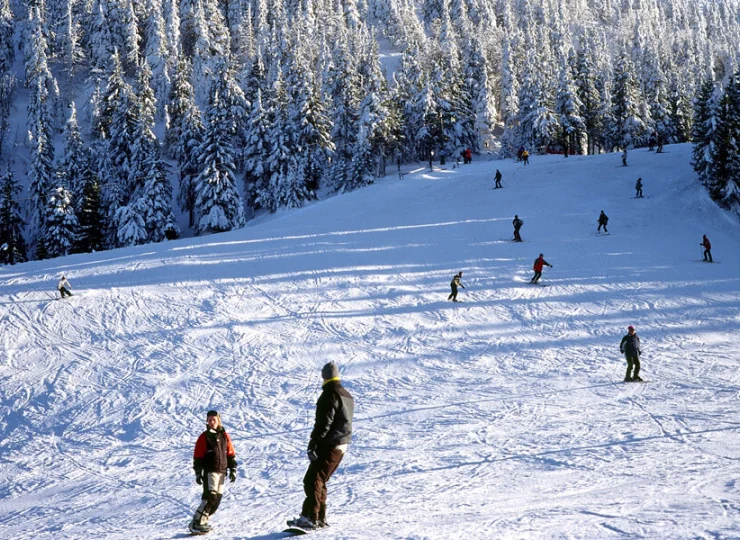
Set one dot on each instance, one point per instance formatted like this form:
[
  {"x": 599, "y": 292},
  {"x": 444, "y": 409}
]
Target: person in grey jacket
[
  {"x": 63, "y": 287},
  {"x": 330, "y": 437},
  {"x": 630, "y": 346}
]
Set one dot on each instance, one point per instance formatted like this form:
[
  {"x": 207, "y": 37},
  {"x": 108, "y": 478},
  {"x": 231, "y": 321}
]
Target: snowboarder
[
  {"x": 498, "y": 179},
  {"x": 630, "y": 346},
  {"x": 525, "y": 157},
  {"x": 63, "y": 287},
  {"x": 517, "y": 225},
  {"x": 638, "y": 188},
  {"x": 213, "y": 456},
  {"x": 454, "y": 284},
  {"x": 330, "y": 437},
  {"x": 603, "y": 220},
  {"x": 539, "y": 263},
  {"x": 707, "y": 249}
]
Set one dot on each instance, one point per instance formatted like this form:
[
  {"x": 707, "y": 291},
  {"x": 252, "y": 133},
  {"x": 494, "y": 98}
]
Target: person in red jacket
[
  {"x": 213, "y": 456},
  {"x": 539, "y": 263},
  {"x": 707, "y": 249}
]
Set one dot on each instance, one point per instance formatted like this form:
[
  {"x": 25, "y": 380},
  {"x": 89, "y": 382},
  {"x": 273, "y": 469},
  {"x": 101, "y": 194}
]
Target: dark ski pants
[
  {"x": 600, "y": 226},
  {"x": 63, "y": 291},
  {"x": 453, "y": 294},
  {"x": 708, "y": 255},
  {"x": 638, "y": 193},
  {"x": 632, "y": 362},
  {"x": 314, "y": 484},
  {"x": 517, "y": 237},
  {"x": 213, "y": 490},
  {"x": 536, "y": 277}
]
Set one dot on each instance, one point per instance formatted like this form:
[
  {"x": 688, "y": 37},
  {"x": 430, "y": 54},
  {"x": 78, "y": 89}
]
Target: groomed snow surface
[{"x": 503, "y": 416}]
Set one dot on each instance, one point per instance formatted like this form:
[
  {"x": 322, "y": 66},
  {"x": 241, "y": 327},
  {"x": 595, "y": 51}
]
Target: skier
[
  {"x": 331, "y": 434},
  {"x": 624, "y": 158},
  {"x": 638, "y": 188},
  {"x": 467, "y": 156},
  {"x": 519, "y": 153},
  {"x": 603, "y": 220},
  {"x": 707, "y": 249},
  {"x": 517, "y": 225},
  {"x": 63, "y": 287},
  {"x": 630, "y": 346},
  {"x": 539, "y": 262},
  {"x": 525, "y": 157},
  {"x": 454, "y": 284},
  {"x": 498, "y": 179},
  {"x": 213, "y": 455}
]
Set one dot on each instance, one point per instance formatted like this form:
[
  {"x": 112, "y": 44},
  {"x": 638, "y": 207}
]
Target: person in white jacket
[{"x": 64, "y": 287}]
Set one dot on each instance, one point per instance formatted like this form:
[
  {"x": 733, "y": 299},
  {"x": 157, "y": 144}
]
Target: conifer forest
[{"x": 126, "y": 122}]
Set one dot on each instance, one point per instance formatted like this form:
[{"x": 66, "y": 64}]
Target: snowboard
[
  {"x": 297, "y": 531},
  {"x": 600, "y": 234}
]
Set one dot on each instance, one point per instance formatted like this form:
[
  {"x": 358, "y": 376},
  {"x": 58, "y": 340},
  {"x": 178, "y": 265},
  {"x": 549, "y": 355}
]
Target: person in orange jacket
[
  {"x": 539, "y": 263},
  {"x": 213, "y": 456}
]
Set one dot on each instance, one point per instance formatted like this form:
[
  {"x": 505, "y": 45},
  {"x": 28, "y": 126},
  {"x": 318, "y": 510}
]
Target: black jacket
[
  {"x": 630, "y": 345},
  {"x": 334, "y": 411}
]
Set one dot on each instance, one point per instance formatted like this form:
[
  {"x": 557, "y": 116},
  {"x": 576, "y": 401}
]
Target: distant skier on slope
[
  {"x": 498, "y": 179},
  {"x": 517, "y": 223},
  {"x": 630, "y": 346},
  {"x": 454, "y": 284},
  {"x": 603, "y": 220},
  {"x": 638, "y": 188},
  {"x": 525, "y": 157},
  {"x": 707, "y": 249},
  {"x": 64, "y": 287},
  {"x": 332, "y": 433},
  {"x": 624, "y": 158},
  {"x": 539, "y": 263},
  {"x": 213, "y": 455}
]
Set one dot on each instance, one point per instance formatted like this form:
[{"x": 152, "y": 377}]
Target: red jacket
[
  {"x": 706, "y": 243},
  {"x": 214, "y": 452},
  {"x": 539, "y": 263}
]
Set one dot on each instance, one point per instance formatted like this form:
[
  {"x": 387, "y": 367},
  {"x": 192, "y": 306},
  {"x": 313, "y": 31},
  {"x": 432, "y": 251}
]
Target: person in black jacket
[
  {"x": 331, "y": 434},
  {"x": 517, "y": 223},
  {"x": 498, "y": 179},
  {"x": 213, "y": 456},
  {"x": 630, "y": 346},
  {"x": 454, "y": 284},
  {"x": 603, "y": 220}
]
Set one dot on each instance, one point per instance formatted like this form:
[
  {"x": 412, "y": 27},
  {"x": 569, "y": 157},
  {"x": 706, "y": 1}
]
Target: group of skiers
[{"x": 214, "y": 456}]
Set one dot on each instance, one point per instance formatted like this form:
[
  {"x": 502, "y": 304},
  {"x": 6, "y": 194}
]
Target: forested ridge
[{"x": 118, "y": 116}]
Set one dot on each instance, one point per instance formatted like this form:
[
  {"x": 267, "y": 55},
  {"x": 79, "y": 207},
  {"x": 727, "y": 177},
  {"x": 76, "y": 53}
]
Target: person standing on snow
[
  {"x": 630, "y": 346},
  {"x": 707, "y": 249},
  {"x": 638, "y": 189},
  {"x": 624, "y": 158},
  {"x": 454, "y": 284},
  {"x": 63, "y": 287},
  {"x": 539, "y": 263},
  {"x": 525, "y": 157},
  {"x": 603, "y": 220},
  {"x": 332, "y": 433},
  {"x": 498, "y": 179},
  {"x": 517, "y": 223},
  {"x": 213, "y": 455}
]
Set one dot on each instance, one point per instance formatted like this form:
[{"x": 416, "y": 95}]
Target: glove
[
  {"x": 311, "y": 452},
  {"x": 199, "y": 477},
  {"x": 232, "y": 475}
]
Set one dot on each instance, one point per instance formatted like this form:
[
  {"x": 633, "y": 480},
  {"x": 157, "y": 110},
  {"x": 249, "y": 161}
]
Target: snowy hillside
[{"x": 503, "y": 416}]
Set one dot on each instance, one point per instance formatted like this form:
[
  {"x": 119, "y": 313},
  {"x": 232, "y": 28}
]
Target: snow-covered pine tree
[
  {"x": 190, "y": 138},
  {"x": 218, "y": 206},
  {"x": 256, "y": 151},
  {"x": 12, "y": 244},
  {"x": 586, "y": 80},
  {"x": 123, "y": 22},
  {"x": 74, "y": 162},
  {"x": 627, "y": 128},
  {"x": 703, "y": 129},
  {"x": 100, "y": 41},
  {"x": 41, "y": 168},
  {"x": 68, "y": 39},
  {"x": 61, "y": 227},
  {"x": 724, "y": 166},
  {"x": 657, "y": 95},
  {"x": 157, "y": 55},
  {"x": 7, "y": 77},
  {"x": 90, "y": 215},
  {"x": 568, "y": 108}
]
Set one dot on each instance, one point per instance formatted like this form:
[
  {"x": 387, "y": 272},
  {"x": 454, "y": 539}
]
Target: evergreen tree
[
  {"x": 256, "y": 151},
  {"x": 74, "y": 161},
  {"x": 628, "y": 128},
  {"x": 90, "y": 215},
  {"x": 218, "y": 206},
  {"x": 7, "y": 57},
  {"x": 702, "y": 133},
  {"x": 41, "y": 169},
  {"x": 61, "y": 227},
  {"x": 568, "y": 109},
  {"x": 12, "y": 244},
  {"x": 723, "y": 170},
  {"x": 192, "y": 134}
]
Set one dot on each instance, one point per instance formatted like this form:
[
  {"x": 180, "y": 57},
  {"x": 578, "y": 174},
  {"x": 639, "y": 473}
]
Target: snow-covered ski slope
[{"x": 503, "y": 416}]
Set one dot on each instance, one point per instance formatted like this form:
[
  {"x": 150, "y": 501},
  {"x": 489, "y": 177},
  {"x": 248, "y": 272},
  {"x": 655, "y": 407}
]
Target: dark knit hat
[
  {"x": 330, "y": 371},
  {"x": 212, "y": 413}
]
